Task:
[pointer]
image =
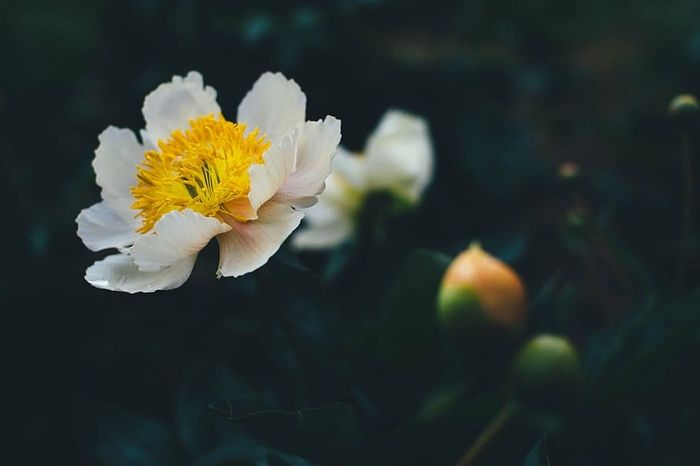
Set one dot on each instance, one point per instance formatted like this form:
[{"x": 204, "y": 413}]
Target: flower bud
[
  {"x": 569, "y": 171},
  {"x": 576, "y": 225},
  {"x": 546, "y": 374},
  {"x": 481, "y": 299},
  {"x": 570, "y": 175},
  {"x": 684, "y": 110}
]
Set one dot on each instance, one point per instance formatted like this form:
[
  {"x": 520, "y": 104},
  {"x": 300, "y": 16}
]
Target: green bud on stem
[
  {"x": 684, "y": 110},
  {"x": 546, "y": 374}
]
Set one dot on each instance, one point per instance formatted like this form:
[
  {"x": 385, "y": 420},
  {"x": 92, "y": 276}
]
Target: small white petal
[
  {"x": 172, "y": 105},
  {"x": 119, "y": 273},
  {"x": 400, "y": 155},
  {"x": 351, "y": 167},
  {"x": 177, "y": 236},
  {"x": 266, "y": 178},
  {"x": 339, "y": 195},
  {"x": 116, "y": 161},
  {"x": 250, "y": 245},
  {"x": 275, "y": 105},
  {"x": 101, "y": 227},
  {"x": 317, "y": 142},
  {"x": 332, "y": 220},
  {"x": 330, "y": 228},
  {"x": 323, "y": 236}
]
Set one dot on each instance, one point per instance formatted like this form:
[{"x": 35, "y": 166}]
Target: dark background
[{"x": 511, "y": 90}]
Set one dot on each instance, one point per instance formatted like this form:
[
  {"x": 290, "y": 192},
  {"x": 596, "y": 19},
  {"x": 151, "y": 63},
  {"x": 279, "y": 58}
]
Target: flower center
[{"x": 204, "y": 168}]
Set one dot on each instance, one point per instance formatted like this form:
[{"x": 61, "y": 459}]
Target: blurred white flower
[
  {"x": 195, "y": 176},
  {"x": 398, "y": 158}
]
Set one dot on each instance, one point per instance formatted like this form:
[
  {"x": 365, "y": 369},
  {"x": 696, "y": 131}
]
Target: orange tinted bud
[
  {"x": 498, "y": 288},
  {"x": 481, "y": 299},
  {"x": 568, "y": 170}
]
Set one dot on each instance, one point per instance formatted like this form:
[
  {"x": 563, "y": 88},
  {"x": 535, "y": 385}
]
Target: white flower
[
  {"x": 196, "y": 176},
  {"x": 398, "y": 158}
]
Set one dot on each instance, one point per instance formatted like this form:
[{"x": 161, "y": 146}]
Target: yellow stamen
[{"x": 204, "y": 168}]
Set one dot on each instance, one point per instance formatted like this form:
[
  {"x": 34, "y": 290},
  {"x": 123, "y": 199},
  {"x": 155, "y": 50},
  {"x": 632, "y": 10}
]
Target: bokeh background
[{"x": 511, "y": 90}]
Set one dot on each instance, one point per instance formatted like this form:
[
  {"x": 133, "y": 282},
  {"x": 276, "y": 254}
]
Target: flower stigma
[{"x": 204, "y": 168}]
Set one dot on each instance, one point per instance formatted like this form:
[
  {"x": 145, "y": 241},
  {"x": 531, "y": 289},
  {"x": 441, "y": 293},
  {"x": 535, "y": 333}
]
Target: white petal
[
  {"x": 266, "y": 178},
  {"x": 177, "y": 236},
  {"x": 249, "y": 245},
  {"x": 317, "y": 142},
  {"x": 323, "y": 236},
  {"x": 326, "y": 225},
  {"x": 275, "y": 105},
  {"x": 400, "y": 155},
  {"x": 119, "y": 273},
  {"x": 116, "y": 160},
  {"x": 332, "y": 220},
  {"x": 100, "y": 227},
  {"x": 172, "y": 105},
  {"x": 339, "y": 195},
  {"x": 351, "y": 167}
]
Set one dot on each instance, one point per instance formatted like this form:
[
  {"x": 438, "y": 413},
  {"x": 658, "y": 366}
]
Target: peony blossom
[
  {"x": 398, "y": 158},
  {"x": 196, "y": 175}
]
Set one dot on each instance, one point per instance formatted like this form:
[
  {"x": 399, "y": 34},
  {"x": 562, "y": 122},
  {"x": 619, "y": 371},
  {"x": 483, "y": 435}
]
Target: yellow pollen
[{"x": 204, "y": 168}]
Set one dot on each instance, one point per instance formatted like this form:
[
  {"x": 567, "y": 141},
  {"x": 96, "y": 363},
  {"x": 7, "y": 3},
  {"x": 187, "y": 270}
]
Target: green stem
[
  {"x": 488, "y": 434},
  {"x": 686, "y": 216}
]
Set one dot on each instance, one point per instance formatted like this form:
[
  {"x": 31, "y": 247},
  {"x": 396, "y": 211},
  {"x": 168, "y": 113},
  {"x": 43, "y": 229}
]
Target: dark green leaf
[
  {"x": 205, "y": 386},
  {"x": 134, "y": 441},
  {"x": 399, "y": 356},
  {"x": 327, "y": 433}
]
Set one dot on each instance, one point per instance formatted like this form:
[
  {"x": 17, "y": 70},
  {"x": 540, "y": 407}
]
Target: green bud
[
  {"x": 546, "y": 374},
  {"x": 684, "y": 110},
  {"x": 576, "y": 218}
]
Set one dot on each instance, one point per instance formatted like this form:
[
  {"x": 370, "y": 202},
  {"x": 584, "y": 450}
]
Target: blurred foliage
[{"x": 336, "y": 358}]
